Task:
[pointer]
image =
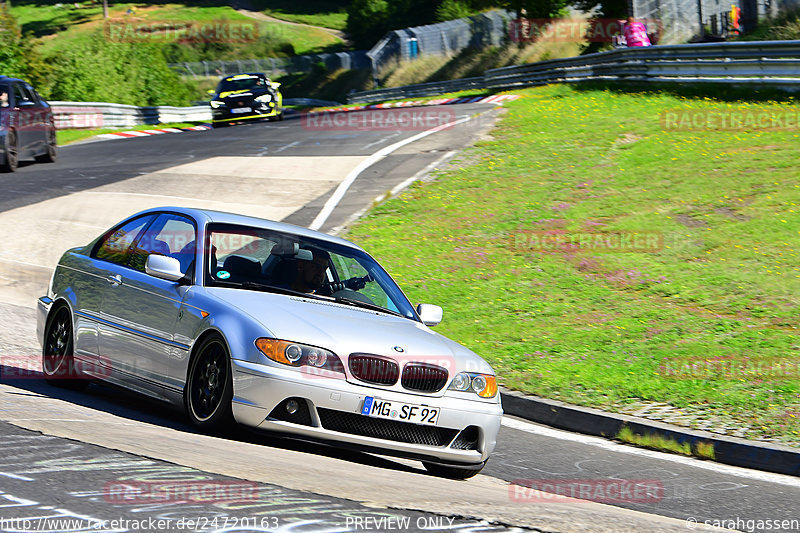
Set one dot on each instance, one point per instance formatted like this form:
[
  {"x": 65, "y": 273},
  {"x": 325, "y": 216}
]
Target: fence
[
  {"x": 275, "y": 66},
  {"x": 490, "y": 28},
  {"x": 767, "y": 63},
  {"x": 107, "y": 115},
  {"x": 680, "y": 19}
]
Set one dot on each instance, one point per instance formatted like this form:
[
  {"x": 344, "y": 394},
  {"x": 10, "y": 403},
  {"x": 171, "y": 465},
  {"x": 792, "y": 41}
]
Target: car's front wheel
[
  {"x": 58, "y": 364},
  {"x": 11, "y": 153},
  {"x": 209, "y": 389},
  {"x": 452, "y": 472}
]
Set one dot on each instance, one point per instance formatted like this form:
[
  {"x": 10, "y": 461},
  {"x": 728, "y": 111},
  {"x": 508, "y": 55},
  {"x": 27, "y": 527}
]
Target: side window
[
  {"x": 33, "y": 95},
  {"x": 115, "y": 246},
  {"x": 19, "y": 94},
  {"x": 171, "y": 235}
]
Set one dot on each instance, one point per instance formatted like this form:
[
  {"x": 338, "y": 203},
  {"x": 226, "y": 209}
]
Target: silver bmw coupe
[{"x": 272, "y": 326}]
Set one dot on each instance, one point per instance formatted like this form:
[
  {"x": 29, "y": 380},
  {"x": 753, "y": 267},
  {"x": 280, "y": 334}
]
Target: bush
[
  {"x": 18, "y": 55},
  {"x": 99, "y": 70},
  {"x": 451, "y": 10}
]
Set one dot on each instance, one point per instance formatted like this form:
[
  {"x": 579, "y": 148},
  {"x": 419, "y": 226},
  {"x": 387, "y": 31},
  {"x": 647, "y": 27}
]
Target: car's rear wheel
[
  {"x": 452, "y": 472},
  {"x": 209, "y": 389},
  {"x": 11, "y": 153},
  {"x": 58, "y": 364},
  {"x": 50, "y": 154},
  {"x": 216, "y": 125}
]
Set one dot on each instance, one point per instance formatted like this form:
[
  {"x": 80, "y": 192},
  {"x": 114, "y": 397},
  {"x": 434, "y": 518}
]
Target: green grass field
[
  {"x": 701, "y": 323},
  {"x": 314, "y": 12},
  {"x": 56, "y": 25}
]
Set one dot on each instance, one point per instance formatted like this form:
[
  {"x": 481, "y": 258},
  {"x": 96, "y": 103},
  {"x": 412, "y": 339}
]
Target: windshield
[
  {"x": 241, "y": 84},
  {"x": 257, "y": 259}
]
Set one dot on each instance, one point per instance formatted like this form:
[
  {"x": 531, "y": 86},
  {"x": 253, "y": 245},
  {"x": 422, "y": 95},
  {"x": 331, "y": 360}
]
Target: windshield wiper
[
  {"x": 365, "y": 305},
  {"x": 255, "y": 286}
]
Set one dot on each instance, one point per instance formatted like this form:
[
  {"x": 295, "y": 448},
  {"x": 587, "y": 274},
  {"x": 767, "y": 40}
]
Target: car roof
[
  {"x": 209, "y": 216},
  {"x": 3, "y": 77},
  {"x": 244, "y": 74}
]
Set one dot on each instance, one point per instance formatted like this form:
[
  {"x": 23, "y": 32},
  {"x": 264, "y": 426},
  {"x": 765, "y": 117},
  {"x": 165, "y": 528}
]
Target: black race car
[{"x": 244, "y": 97}]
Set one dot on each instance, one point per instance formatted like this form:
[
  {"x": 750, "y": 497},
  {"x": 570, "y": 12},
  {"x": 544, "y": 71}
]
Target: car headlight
[
  {"x": 263, "y": 98},
  {"x": 297, "y": 355},
  {"x": 216, "y": 103},
  {"x": 484, "y": 385}
]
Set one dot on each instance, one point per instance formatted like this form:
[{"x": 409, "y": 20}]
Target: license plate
[
  {"x": 241, "y": 110},
  {"x": 402, "y": 412}
]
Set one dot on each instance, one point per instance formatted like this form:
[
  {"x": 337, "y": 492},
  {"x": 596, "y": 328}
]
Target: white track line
[
  {"x": 340, "y": 191},
  {"x": 769, "y": 477}
]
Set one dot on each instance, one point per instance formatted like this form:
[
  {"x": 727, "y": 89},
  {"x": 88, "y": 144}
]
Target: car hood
[
  {"x": 345, "y": 329},
  {"x": 245, "y": 94}
]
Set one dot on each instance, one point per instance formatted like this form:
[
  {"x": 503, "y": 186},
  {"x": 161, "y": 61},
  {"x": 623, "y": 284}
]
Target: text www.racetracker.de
[{"x": 78, "y": 523}]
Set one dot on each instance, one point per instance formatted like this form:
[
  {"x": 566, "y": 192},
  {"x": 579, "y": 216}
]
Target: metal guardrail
[
  {"x": 69, "y": 115},
  {"x": 768, "y": 63}
]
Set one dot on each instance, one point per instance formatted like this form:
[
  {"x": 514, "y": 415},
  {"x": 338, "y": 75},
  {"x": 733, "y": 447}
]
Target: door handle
[{"x": 114, "y": 280}]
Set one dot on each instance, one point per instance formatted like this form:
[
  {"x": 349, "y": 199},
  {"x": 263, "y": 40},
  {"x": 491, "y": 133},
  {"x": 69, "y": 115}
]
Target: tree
[
  {"x": 608, "y": 8},
  {"x": 367, "y": 21}
]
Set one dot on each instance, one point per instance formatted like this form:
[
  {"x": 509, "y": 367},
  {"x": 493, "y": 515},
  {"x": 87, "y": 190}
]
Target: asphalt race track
[{"x": 64, "y": 452}]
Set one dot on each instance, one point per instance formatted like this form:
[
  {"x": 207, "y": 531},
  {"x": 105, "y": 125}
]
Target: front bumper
[
  {"x": 333, "y": 414},
  {"x": 43, "y": 306},
  {"x": 224, "y": 114}
]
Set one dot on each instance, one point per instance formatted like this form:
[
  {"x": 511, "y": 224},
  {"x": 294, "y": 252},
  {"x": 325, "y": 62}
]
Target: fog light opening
[{"x": 292, "y": 406}]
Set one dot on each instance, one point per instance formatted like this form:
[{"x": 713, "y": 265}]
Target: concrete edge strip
[
  {"x": 733, "y": 451},
  {"x": 146, "y": 133}
]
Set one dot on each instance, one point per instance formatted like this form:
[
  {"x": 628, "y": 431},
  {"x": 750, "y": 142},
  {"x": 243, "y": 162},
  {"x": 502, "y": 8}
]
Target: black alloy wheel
[
  {"x": 58, "y": 364},
  {"x": 210, "y": 386}
]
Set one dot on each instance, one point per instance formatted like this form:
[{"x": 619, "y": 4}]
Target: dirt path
[{"x": 244, "y": 7}]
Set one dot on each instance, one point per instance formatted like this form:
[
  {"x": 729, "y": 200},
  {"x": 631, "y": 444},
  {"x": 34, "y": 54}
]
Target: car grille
[
  {"x": 424, "y": 377},
  {"x": 373, "y": 369},
  {"x": 365, "y": 426}
]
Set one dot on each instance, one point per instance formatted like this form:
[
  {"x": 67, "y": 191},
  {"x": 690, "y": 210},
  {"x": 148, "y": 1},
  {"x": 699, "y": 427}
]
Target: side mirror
[
  {"x": 211, "y": 92},
  {"x": 163, "y": 267},
  {"x": 275, "y": 84},
  {"x": 430, "y": 314}
]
